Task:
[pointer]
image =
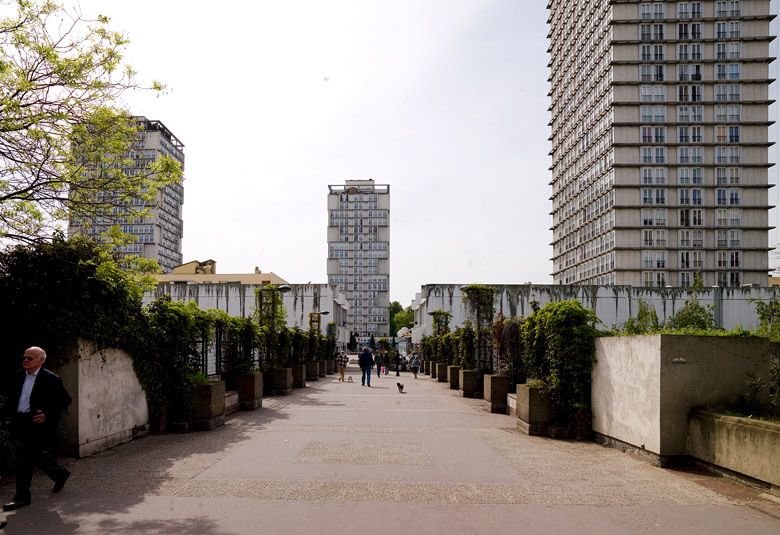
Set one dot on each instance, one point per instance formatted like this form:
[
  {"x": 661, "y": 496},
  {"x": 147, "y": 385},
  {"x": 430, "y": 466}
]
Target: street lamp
[{"x": 315, "y": 320}]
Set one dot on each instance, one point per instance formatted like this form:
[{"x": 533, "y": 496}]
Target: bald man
[{"x": 40, "y": 398}]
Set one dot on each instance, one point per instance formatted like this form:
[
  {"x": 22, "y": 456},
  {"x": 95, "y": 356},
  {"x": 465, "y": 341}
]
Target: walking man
[
  {"x": 341, "y": 364},
  {"x": 414, "y": 363},
  {"x": 366, "y": 363},
  {"x": 40, "y": 398},
  {"x": 379, "y": 361}
]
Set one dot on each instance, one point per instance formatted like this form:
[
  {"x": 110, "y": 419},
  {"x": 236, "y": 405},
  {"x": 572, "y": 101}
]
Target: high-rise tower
[
  {"x": 159, "y": 233},
  {"x": 660, "y": 141},
  {"x": 359, "y": 252}
]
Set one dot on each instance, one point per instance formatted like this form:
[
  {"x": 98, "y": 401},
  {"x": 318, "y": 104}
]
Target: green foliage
[
  {"x": 478, "y": 300},
  {"x": 468, "y": 346},
  {"x": 239, "y": 337},
  {"x": 384, "y": 343},
  {"x": 769, "y": 319},
  {"x": 645, "y": 322},
  {"x": 269, "y": 308},
  {"x": 560, "y": 351},
  {"x": 441, "y": 322},
  {"x": 352, "y": 345},
  {"x": 400, "y": 317},
  {"x": 774, "y": 386},
  {"x": 62, "y": 136},
  {"x": 372, "y": 342},
  {"x": 692, "y": 316}
]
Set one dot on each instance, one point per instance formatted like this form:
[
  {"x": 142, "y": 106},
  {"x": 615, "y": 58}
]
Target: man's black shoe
[
  {"x": 15, "y": 504},
  {"x": 60, "y": 483},
  {"x": 3, "y": 524}
]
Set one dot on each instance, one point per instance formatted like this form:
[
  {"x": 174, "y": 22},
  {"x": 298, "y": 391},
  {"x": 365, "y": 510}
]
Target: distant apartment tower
[
  {"x": 160, "y": 232},
  {"x": 660, "y": 120},
  {"x": 359, "y": 252}
]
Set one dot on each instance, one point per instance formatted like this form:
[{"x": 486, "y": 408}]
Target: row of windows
[
  {"x": 730, "y": 238},
  {"x": 686, "y": 134},
  {"x": 690, "y": 93},
  {"x": 721, "y": 113},
  {"x": 685, "y": 196},
  {"x": 686, "y": 279},
  {"x": 689, "y": 175},
  {"x": 690, "y": 259},
  {"x": 724, "y": 217},
  {"x": 690, "y": 72},
  {"x": 689, "y": 155},
  {"x": 688, "y": 10}
]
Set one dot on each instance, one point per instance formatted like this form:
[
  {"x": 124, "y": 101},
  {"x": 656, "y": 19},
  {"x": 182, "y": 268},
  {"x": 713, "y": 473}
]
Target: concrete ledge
[
  {"x": 231, "y": 402},
  {"x": 742, "y": 445},
  {"x": 511, "y": 404},
  {"x": 664, "y": 461}
]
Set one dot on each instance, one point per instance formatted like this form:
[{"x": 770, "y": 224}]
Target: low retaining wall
[
  {"x": 746, "y": 446},
  {"x": 109, "y": 406},
  {"x": 644, "y": 387}
]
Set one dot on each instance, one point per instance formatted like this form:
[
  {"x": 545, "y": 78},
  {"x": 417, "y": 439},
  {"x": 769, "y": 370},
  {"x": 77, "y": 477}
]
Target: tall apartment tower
[
  {"x": 359, "y": 252},
  {"x": 160, "y": 232},
  {"x": 660, "y": 116}
]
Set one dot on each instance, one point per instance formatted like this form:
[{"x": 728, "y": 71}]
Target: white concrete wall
[
  {"x": 645, "y": 386},
  {"x": 239, "y": 300},
  {"x": 612, "y": 304},
  {"x": 108, "y": 401}
]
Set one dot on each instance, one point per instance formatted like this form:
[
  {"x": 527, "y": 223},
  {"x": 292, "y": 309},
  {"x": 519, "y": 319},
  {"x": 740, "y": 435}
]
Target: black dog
[{"x": 400, "y": 387}]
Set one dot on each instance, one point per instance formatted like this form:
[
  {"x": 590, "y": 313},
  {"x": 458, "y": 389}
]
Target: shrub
[{"x": 692, "y": 316}]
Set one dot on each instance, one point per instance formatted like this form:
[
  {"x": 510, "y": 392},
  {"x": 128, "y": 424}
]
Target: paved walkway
[{"x": 341, "y": 458}]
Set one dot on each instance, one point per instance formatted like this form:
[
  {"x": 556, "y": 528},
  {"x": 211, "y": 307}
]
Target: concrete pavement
[{"x": 342, "y": 458}]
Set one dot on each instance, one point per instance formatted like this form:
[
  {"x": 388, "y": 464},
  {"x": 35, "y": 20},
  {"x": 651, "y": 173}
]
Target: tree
[
  {"x": 64, "y": 142},
  {"x": 400, "y": 317},
  {"x": 395, "y": 308}
]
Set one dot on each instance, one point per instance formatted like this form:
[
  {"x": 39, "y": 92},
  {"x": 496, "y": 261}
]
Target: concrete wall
[
  {"x": 108, "y": 401},
  {"x": 644, "y": 387},
  {"x": 746, "y": 446},
  {"x": 612, "y": 304},
  {"x": 238, "y": 299}
]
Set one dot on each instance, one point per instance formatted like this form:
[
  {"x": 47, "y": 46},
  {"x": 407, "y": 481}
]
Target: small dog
[
  {"x": 400, "y": 387},
  {"x": 349, "y": 379}
]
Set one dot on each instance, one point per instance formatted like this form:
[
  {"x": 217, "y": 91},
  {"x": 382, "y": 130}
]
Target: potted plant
[{"x": 208, "y": 403}]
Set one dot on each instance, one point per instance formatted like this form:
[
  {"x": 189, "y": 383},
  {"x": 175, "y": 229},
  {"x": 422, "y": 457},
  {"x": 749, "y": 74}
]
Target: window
[
  {"x": 734, "y": 238},
  {"x": 721, "y": 135},
  {"x": 696, "y": 197},
  {"x": 720, "y": 51},
  {"x": 733, "y": 50},
  {"x": 658, "y": 52},
  {"x": 659, "y": 114},
  {"x": 659, "y": 134},
  {"x": 721, "y": 113},
  {"x": 721, "y": 217},
  {"x": 733, "y": 134},
  {"x": 734, "y": 113},
  {"x": 646, "y": 174},
  {"x": 696, "y": 10},
  {"x": 685, "y": 279},
  {"x": 683, "y": 155},
  {"x": 727, "y": 175},
  {"x": 660, "y": 154},
  {"x": 683, "y": 134},
  {"x": 697, "y": 155},
  {"x": 720, "y": 197},
  {"x": 697, "y": 238},
  {"x": 683, "y": 197},
  {"x": 684, "y": 219},
  {"x": 697, "y": 217},
  {"x": 683, "y": 10},
  {"x": 647, "y": 196},
  {"x": 646, "y": 154},
  {"x": 682, "y": 51},
  {"x": 646, "y": 52},
  {"x": 658, "y": 10},
  {"x": 696, "y": 134},
  {"x": 734, "y": 71},
  {"x": 684, "y": 238},
  {"x": 646, "y": 134},
  {"x": 697, "y": 174},
  {"x": 720, "y": 71},
  {"x": 696, "y": 51},
  {"x": 734, "y": 197},
  {"x": 695, "y": 31},
  {"x": 682, "y": 31},
  {"x": 721, "y": 30},
  {"x": 734, "y": 217},
  {"x": 645, "y": 32},
  {"x": 683, "y": 72},
  {"x": 685, "y": 260},
  {"x": 658, "y": 32},
  {"x": 697, "y": 114},
  {"x": 660, "y": 196},
  {"x": 683, "y": 175},
  {"x": 646, "y": 113}
]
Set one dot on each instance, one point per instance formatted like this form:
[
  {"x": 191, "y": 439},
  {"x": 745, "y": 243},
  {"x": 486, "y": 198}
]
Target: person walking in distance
[
  {"x": 366, "y": 363},
  {"x": 40, "y": 397},
  {"x": 379, "y": 362},
  {"x": 414, "y": 364},
  {"x": 341, "y": 364}
]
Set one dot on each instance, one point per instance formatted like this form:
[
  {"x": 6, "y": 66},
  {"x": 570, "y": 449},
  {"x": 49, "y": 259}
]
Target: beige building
[
  {"x": 660, "y": 142},
  {"x": 359, "y": 252}
]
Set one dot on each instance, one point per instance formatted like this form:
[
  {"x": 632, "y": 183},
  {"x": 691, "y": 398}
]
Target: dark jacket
[
  {"x": 365, "y": 360},
  {"x": 48, "y": 395}
]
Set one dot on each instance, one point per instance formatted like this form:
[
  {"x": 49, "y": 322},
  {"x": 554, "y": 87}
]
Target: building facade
[
  {"x": 660, "y": 145},
  {"x": 159, "y": 233},
  {"x": 359, "y": 252}
]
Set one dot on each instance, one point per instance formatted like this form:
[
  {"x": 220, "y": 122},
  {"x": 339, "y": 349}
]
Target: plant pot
[
  {"x": 250, "y": 391},
  {"x": 208, "y": 406},
  {"x": 453, "y": 376},
  {"x": 441, "y": 372},
  {"x": 468, "y": 382},
  {"x": 427, "y": 367},
  {"x": 534, "y": 410},
  {"x": 299, "y": 375},
  {"x": 323, "y": 368},
  {"x": 283, "y": 381},
  {"x": 433, "y": 369},
  {"x": 495, "y": 388},
  {"x": 312, "y": 371},
  {"x": 331, "y": 369}
]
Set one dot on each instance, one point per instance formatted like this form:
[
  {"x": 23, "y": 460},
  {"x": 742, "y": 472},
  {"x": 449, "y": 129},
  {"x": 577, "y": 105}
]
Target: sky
[{"x": 444, "y": 100}]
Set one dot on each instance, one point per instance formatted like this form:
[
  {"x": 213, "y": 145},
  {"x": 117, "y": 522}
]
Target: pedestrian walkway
[{"x": 342, "y": 458}]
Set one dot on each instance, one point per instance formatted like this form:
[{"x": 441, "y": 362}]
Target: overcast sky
[{"x": 445, "y": 100}]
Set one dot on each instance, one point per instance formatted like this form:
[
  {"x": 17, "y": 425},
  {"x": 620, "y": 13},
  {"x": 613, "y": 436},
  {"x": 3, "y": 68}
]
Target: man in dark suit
[{"x": 40, "y": 398}]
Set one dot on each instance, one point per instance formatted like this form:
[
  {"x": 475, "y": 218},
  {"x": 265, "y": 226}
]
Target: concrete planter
[
  {"x": 250, "y": 391},
  {"x": 434, "y": 370},
  {"x": 495, "y": 388},
  {"x": 208, "y": 406},
  {"x": 746, "y": 446},
  {"x": 426, "y": 367},
  {"x": 283, "y": 381},
  {"x": 323, "y": 368},
  {"x": 453, "y": 376},
  {"x": 331, "y": 366},
  {"x": 312, "y": 371},
  {"x": 534, "y": 410},
  {"x": 441, "y": 373},
  {"x": 468, "y": 381},
  {"x": 299, "y": 375}
]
